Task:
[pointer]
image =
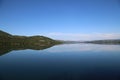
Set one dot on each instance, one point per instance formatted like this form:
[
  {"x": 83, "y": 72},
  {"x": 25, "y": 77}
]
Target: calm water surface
[{"x": 62, "y": 62}]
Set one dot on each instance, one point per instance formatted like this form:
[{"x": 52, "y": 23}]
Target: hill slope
[
  {"x": 6, "y": 38},
  {"x": 4, "y": 34}
]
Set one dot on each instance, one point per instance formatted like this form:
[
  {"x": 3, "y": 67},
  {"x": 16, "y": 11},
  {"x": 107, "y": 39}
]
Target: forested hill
[{"x": 8, "y": 39}]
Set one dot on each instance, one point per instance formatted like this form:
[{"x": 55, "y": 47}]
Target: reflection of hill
[{"x": 7, "y": 48}]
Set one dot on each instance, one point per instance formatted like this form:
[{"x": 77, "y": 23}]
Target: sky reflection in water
[
  {"x": 63, "y": 62},
  {"x": 84, "y": 47}
]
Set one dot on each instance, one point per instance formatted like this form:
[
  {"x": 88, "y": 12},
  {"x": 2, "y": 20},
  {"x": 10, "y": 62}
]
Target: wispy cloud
[{"x": 79, "y": 36}]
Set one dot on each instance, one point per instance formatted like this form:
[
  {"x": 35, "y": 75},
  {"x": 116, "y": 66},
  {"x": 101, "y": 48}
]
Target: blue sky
[{"x": 62, "y": 19}]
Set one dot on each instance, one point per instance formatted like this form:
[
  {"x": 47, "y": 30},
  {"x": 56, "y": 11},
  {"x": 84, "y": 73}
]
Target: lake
[{"x": 62, "y": 62}]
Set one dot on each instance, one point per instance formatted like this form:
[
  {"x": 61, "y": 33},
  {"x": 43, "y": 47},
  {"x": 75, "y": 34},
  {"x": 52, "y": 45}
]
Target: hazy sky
[{"x": 62, "y": 19}]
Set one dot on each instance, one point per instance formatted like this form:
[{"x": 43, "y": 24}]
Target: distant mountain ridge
[{"x": 108, "y": 41}]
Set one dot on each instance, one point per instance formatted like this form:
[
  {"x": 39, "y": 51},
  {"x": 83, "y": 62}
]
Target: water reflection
[
  {"x": 7, "y": 48},
  {"x": 84, "y": 47},
  {"x": 61, "y": 62},
  {"x": 62, "y": 48}
]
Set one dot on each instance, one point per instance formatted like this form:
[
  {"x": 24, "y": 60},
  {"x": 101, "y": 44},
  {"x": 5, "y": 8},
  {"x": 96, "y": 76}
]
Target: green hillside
[{"x": 8, "y": 39}]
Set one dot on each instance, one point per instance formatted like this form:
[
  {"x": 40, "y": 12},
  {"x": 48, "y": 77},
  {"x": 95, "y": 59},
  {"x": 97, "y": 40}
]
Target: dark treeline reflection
[{"x": 7, "y": 48}]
